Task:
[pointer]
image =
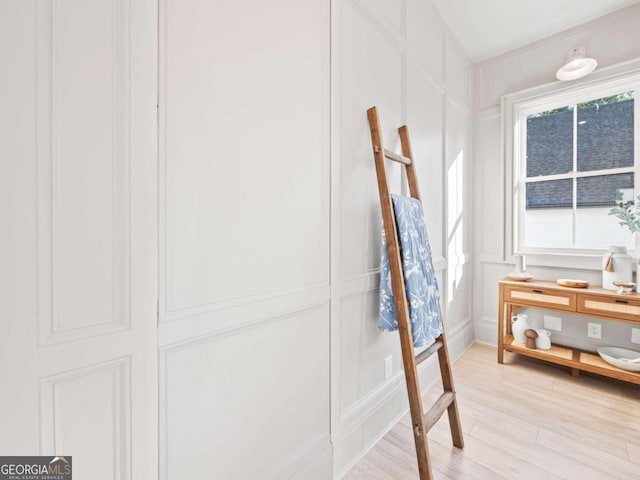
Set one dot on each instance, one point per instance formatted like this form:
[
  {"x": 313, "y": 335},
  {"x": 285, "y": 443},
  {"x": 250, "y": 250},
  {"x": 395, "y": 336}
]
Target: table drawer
[
  {"x": 540, "y": 297},
  {"x": 621, "y": 308}
]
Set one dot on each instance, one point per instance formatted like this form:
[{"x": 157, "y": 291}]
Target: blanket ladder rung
[
  {"x": 427, "y": 352},
  {"x": 396, "y": 158},
  {"x": 435, "y": 412},
  {"x": 392, "y": 155}
]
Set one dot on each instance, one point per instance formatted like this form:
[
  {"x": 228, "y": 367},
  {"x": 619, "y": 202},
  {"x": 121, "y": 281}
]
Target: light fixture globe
[{"x": 578, "y": 65}]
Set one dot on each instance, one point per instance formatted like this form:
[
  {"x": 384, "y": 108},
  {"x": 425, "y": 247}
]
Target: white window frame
[{"x": 515, "y": 109}]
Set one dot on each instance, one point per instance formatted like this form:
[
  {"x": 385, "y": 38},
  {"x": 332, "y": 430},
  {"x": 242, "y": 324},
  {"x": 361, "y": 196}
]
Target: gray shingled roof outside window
[{"x": 605, "y": 140}]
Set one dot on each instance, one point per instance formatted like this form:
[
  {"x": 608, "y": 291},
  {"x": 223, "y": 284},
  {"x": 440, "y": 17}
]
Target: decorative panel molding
[
  {"x": 83, "y": 168},
  {"x": 426, "y": 38},
  {"x": 362, "y": 347},
  {"x": 87, "y": 413},
  {"x": 425, "y": 117},
  {"x": 374, "y": 11},
  {"x": 358, "y": 211},
  {"x": 489, "y": 209},
  {"x": 393, "y": 11},
  {"x": 286, "y": 297},
  {"x": 246, "y": 314},
  {"x": 458, "y": 72},
  {"x": 244, "y": 177},
  {"x": 458, "y": 181},
  {"x": 249, "y": 382}
]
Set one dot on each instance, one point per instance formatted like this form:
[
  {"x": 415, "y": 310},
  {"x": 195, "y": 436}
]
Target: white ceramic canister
[
  {"x": 622, "y": 267},
  {"x": 543, "y": 341},
  {"x": 519, "y": 323}
]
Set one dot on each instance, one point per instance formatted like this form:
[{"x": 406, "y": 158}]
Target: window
[
  {"x": 576, "y": 158},
  {"x": 573, "y": 153}
]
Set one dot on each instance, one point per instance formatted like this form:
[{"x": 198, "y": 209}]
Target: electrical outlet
[
  {"x": 635, "y": 335},
  {"x": 388, "y": 367},
  {"x": 552, "y": 323},
  {"x": 594, "y": 330}
]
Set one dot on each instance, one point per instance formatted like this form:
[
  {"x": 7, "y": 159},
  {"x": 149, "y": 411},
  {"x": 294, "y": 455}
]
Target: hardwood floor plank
[
  {"x": 522, "y": 420},
  {"x": 610, "y": 466},
  {"x": 448, "y": 461},
  {"x": 633, "y": 450},
  {"x": 366, "y": 470},
  {"x": 556, "y": 412}
]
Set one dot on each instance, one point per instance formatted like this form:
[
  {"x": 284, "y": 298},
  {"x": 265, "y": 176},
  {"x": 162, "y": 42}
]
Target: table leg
[{"x": 500, "y": 325}]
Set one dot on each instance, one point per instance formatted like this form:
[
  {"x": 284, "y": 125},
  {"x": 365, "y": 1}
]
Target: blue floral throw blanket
[{"x": 420, "y": 281}]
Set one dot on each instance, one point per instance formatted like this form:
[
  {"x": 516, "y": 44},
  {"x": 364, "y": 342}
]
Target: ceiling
[{"x": 487, "y": 28}]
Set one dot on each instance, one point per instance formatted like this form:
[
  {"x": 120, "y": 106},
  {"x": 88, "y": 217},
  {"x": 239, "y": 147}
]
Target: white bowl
[
  {"x": 519, "y": 276},
  {"x": 614, "y": 356}
]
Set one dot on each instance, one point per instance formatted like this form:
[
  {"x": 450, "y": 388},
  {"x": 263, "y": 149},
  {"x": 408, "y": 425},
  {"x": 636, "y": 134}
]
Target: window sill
[{"x": 574, "y": 261}]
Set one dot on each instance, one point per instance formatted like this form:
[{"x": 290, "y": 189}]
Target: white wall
[
  {"x": 610, "y": 40},
  {"x": 400, "y": 56},
  {"x": 244, "y": 239}
]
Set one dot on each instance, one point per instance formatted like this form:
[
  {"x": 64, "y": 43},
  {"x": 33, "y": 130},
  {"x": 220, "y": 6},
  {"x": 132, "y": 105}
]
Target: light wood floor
[{"x": 522, "y": 420}]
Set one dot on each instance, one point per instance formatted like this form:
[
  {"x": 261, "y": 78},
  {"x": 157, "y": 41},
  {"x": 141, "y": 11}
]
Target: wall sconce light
[{"x": 577, "y": 65}]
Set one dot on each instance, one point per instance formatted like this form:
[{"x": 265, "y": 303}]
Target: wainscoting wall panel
[
  {"x": 100, "y": 393},
  {"x": 263, "y": 388},
  {"x": 489, "y": 228},
  {"x": 83, "y": 227},
  {"x": 391, "y": 11},
  {"x": 425, "y": 45},
  {"x": 458, "y": 73},
  {"x": 361, "y": 344},
  {"x": 425, "y": 114},
  {"x": 458, "y": 217},
  {"x": 245, "y": 174}
]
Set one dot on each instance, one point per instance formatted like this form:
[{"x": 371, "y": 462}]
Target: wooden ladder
[{"x": 421, "y": 422}]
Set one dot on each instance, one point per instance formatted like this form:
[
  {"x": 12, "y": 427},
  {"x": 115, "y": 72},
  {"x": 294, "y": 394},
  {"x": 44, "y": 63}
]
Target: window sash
[{"x": 570, "y": 175}]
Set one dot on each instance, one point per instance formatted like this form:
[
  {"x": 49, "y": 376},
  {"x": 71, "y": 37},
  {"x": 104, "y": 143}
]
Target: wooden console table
[{"x": 589, "y": 302}]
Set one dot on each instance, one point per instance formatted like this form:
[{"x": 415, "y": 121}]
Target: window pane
[
  {"x": 605, "y": 133},
  {"x": 600, "y": 191},
  {"x": 595, "y": 228},
  {"x": 550, "y": 142},
  {"x": 551, "y": 194},
  {"x": 548, "y": 228},
  {"x": 548, "y": 218}
]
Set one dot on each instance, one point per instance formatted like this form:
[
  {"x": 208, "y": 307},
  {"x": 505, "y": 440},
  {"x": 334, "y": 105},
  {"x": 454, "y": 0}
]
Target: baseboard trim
[
  {"x": 352, "y": 463},
  {"x": 366, "y": 421},
  {"x": 319, "y": 468},
  {"x": 299, "y": 459},
  {"x": 486, "y": 330}
]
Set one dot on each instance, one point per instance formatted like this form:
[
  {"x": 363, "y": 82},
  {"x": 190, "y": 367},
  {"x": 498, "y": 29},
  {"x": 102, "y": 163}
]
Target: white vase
[
  {"x": 622, "y": 267},
  {"x": 519, "y": 323}
]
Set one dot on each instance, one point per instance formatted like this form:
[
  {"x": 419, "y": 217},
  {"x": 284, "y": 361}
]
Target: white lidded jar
[{"x": 616, "y": 267}]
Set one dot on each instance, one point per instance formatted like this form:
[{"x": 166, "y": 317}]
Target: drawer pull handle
[
  {"x": 622, "y": 301},
  {"x": 537, "y": 291}
]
